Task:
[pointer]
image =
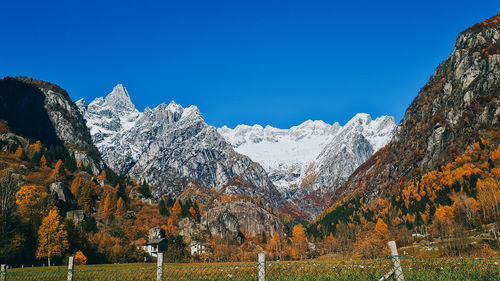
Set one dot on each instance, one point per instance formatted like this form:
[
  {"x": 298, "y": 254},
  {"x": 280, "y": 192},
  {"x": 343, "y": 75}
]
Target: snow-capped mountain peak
[
  {"x": 313, "y": 157},
  {"x": 168, "y": 144},
  {"x": 120, "y": 99}
]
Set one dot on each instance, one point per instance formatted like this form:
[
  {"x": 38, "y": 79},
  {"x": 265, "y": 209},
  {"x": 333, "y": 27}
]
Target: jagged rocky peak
[
  {"x": 170, "y": 144},
  {"x": 81, "y": 105},
  {"x": 120, "y": 99}
]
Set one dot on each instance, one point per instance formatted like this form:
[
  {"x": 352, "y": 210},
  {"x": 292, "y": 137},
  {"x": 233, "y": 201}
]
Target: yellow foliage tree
[
  {"x": 170, "y": 229},
  {"x": 43, "y": 161},
  {"x": 19, "y": 152},
  {"x": 76, "y": 185},
  {"x": 443, "y": 220},
  {"x": 488, "y": 196},
  {"x": 299, "y": 242},
  {"x": 381, "y": 230},
  {"x": 30, "y": 199},
  {"x": 102, "y": 177},
  {"x": 176, "y": 209},
  {"x": 107, "y": 205},
  {"x": 275, "y": 246},
  {"x": 120, "y": 208},
  {"x": 57, "y": 169},
  {"x": 52, "y": 238},
  {"x": 80, "y": 258}
]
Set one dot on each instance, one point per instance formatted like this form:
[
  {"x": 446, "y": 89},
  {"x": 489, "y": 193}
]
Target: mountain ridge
[
  {"x": 309, "y": 161},
  {"x": 170, "y": 143}
]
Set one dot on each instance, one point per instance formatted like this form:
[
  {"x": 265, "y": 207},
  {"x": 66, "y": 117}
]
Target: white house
[
  {"x": 156, "y": 241},
  {"x": 197, "y": 249}
]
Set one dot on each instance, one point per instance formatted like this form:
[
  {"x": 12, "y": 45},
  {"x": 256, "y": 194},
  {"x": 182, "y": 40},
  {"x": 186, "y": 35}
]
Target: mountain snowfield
[
  {"x": 284, "y": 153},
  {"x": 296, "y": 168},
  {"x": 290, "y": 155}
]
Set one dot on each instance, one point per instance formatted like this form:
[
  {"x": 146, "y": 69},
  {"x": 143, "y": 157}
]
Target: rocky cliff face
[
  {"x": 308, "y": 162},
  {"x": 169, "y": 144},
  {"x": 230, "y": 218},
  {"x": 458, "y": 105},
  {"x": 43, "y": 111}
]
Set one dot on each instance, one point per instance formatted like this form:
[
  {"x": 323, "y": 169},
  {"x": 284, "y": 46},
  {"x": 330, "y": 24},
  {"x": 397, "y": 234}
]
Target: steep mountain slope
[
  {"x": 43, "y": 111},
  {"x": 458, "y": 105},
  {"x": 311, "y": 160},
  {"x": 169, "y": 144}
]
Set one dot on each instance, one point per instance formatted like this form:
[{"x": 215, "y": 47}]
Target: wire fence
[
  {"x": 413, "y": 269},
  {"x": 392, "y": 268}
]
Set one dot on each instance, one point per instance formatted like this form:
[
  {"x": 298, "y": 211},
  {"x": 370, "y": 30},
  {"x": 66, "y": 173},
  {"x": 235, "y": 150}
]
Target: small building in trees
[
  {"x": 156, "y": 242},
  {"x": 197, "y": 248}
]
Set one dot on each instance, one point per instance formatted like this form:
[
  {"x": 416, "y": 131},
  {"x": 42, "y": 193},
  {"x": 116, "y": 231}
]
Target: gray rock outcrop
[{"x": 245, "y": 217}]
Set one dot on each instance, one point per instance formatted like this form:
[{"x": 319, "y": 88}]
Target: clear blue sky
[{"x": 252, "y": 62}]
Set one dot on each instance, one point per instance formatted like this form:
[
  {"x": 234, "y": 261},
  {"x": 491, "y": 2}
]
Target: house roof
[{"x": 155, "y": 241}]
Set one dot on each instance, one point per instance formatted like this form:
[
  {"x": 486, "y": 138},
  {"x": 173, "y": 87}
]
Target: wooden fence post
[
  {"x": 3, "y": 277},
  {"x": 70, "y": 268},
  {"x": 262, "y": 267},
  {"x": 396, "y": 264},
  {"x": 159, "y": 267}
]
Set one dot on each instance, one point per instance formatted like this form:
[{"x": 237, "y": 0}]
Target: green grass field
[{"x": 414, "y": 269}]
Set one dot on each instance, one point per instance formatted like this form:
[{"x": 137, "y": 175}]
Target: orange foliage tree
[
  {"x": 80, "y": 258},
  {"x": 299, "y": 242},
  {"x": 52, "y": 237},
  {"x": 176, "y": 209},
  {"x": 31, "y": 201}
]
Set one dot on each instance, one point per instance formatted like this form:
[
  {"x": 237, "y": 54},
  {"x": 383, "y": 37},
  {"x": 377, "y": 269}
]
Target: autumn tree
[
  {"x": 371, "y": 241},
  {"x": 488, "y": 197},
  {"x": 443, "y": 221},
  {"x": 176, "y": 209},
  {"x": 381, "y": 230},
  {"x": 299, "y": 242},
  {"x": 120, "y": 208},
  {"x": 52, "y": 238},
  {"x": 76, "y": 185},
  {"x": 275, "y": 246},
  {"x": 84, "y": 192},
  {"x": 80, "y": 258},
  {"x": 58, "y": 170},
  {"x": 102, "y": 177},
  {"x": 170, "y": 228},
  {"x": 466, "y": 208},
  {"x": 108, "y": 208},
  {"x": 31, "y": 201},
  {"x": 19, "y": 152},
  {"x": 43, "y": 161},
  {"x": 329, "y": 244}
]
